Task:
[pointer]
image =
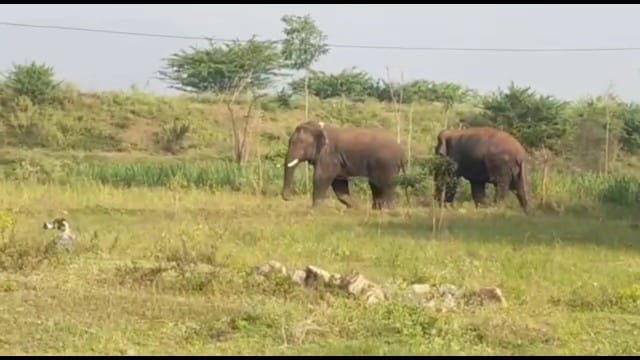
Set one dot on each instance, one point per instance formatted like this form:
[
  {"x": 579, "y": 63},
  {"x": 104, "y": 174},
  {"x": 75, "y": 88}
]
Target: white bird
[{"x": 66, "y": 237}]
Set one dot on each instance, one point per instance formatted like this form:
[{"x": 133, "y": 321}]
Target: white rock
[
  {"x": 448, "y": 289},
  {"x": 420, "y": 290},
  {"x": 375, "y": 295},
  {"x": 359, "y": 286},
  {"x": 317, "y": 276},
  {"x": 448, "y": 302},
  {"x": 271, "y": 267},
  {"x": 299, "y": 277}
]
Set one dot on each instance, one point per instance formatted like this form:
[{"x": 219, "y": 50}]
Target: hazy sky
[{"x": 104, "y": 61}]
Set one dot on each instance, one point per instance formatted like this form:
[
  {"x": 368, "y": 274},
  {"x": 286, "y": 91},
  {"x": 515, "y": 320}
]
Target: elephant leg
[
  {"x": 518, "y": 187},
  {"x": 341, "y": 189},
  {"x": 502, "y": 180},
  {"x": 388, "y": 196},
  {"x": 377, "y": 196},
  {"x": 321, "y": 184},
  {"x": 502, "y": 187},
  {"x": 478, "y": 193}
]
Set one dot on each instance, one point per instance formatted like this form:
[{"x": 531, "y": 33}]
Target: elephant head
[
  {"x": 305, "y": 144},
  {"x": 446, "y": 147},
  {"x": 443, "y": 143}
]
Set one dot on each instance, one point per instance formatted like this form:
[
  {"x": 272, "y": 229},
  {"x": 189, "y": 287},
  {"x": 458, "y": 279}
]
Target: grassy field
[
  {"x": 571, "y": 276},
  {"x": 170, "y": 230}
]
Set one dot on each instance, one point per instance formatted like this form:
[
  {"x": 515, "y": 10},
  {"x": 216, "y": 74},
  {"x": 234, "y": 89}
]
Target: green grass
[
  {"x": 570, "y": 275},
  {"x": 142, "y": 198},
  {"x": 563, "y": 189}
]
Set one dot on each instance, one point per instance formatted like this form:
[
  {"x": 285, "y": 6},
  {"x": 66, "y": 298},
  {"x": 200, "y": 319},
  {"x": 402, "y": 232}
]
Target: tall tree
[
  {"x": 304, "y": 44},
  {"x": 230, "y": 70}
]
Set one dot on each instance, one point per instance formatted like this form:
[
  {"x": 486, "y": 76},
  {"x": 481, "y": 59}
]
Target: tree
[
  {"x": 304, "y": 44},
  {"x": 230, "y": 70}
]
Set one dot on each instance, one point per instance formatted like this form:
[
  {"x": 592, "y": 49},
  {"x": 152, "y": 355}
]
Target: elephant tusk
[
  {"x": 321, "y": 124},
  {"x": 292, "y": 163}
]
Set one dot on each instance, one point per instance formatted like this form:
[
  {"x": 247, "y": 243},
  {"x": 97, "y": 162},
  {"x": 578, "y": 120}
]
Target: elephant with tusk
[{"x": 339, "y": 154}]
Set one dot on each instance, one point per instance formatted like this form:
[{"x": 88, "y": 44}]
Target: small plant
[
  {"x": 629, "y": 296},
  {"x": 7, "y": 222},
  {"x": 445, "y": 182},
  {"x": 173, "y": 135}
]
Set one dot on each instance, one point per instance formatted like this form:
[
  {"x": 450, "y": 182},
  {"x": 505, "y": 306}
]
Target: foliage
[
  {"x": 631, "y": 128},
  {"x": 173, "y": 136},
  {"x": 229, "y": 70},
  {"x": 350, "y": 83},
  {"x": 595, "y": 129},
  {"x": 225, "y": 68},
  {"x": 265, "y": 178},
  {"x": 428, "y": 91},
  {"x": 356, "y": 85},
  {"x": 536, "y": 120},
  {"x": 304, "y": 42},
  {"x": 303, "y": 45},
  {"x": 33, "y": 80}
]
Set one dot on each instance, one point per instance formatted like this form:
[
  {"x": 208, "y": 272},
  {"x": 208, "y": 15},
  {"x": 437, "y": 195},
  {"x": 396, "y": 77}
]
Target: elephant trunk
[{"x": 290, "y": 165}]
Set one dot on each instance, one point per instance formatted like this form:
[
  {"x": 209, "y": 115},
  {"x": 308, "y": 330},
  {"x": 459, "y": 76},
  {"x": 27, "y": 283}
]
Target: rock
[
  {"x": 491, "y": 295},
  {"x": 271, "y": 267},
  {"x": 317, "y": 276},
  {"x": 356, "y": 284},
  {"x": 389, "y": 290},
  {"x": 420, "y": 291},
  {"x": 375, "y": 295},
  {"x": 448, "y": 289},
  {"x": 431, "y": 304},
  {"x": 299, "y": 277},
  {"x": 422, "y": 294},
  {"x": 448, "y": 302},
  {"x": 360, "y": 287},
  {"x": 421, "y": 288}
]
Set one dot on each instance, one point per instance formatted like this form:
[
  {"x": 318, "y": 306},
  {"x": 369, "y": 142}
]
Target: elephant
[
  {"x": 339, "y": 154},
  {"x": 484, "y": 155}
]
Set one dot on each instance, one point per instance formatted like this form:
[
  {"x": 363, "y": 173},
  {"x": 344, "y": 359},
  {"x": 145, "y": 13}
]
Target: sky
[{"x": 97, "y": 61}]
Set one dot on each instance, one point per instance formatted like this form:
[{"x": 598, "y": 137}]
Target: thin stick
[
  {"x": 545, "y": 160},
  {"x": 409, "y": 137},
  {"x": 396, "y": 110},
  {"x": 259, "y": 155}
]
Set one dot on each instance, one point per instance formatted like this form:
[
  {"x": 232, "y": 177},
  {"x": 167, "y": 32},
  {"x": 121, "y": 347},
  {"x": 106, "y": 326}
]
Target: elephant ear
[{"x": 321, "y": 139}]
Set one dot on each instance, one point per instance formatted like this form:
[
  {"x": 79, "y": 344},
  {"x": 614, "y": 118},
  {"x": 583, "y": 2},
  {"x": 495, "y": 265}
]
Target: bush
[
  {"x": 34, "y": 81},
  {"x": 631, "y": 128},
  {"x": 536, "y": 120}
]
